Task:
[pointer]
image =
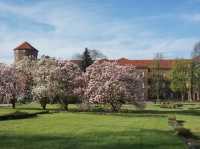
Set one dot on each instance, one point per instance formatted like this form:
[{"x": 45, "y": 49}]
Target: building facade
[
  {"x": 143, "y": 66},
  {"x": 25, "y": 50}
]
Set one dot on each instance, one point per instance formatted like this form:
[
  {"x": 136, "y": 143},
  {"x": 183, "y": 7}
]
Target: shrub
[
  {"x": 186, "y": 133},
  {"x": 84, "y": 107},
  {"x": 74, "y": 100},
  {"x": 179, "y": 105},
  {"x": 170, "y": 105}
]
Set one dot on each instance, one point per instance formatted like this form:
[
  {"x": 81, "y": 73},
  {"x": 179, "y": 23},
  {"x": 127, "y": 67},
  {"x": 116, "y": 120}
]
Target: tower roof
[{"x": 25, "y": 45}]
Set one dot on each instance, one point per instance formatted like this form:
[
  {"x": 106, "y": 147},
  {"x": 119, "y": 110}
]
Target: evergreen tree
[{"x": 86, "y": 60}]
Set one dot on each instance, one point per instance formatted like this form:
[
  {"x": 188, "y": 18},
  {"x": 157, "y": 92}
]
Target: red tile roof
[
  {"x": 164, "y": 64},
  {"x": 75, "y": 61},
  {"x": 144, "y": 64},
  {"x": 25, "y": 45}
]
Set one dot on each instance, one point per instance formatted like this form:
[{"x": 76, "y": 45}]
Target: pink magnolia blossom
[
  {"x": 108, "y": 82},
  {"x": 8, "y": 80},
  {"x": 41, "y": 77},
  {"x": 58, "y": 79},
  {"x": 24, "y": 73}
]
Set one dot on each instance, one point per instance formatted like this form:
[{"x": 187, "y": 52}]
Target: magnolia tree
[
  {"x": 8, "y": 81},
  {"x": 40, "y": 93},
  {"x": 24, "y": 72},
  {"x": 41, "y": 77},
  {"x": 54, "y": 81},
  {"x": 62, "y": 81},
  {"x": 106, "y": 82}
]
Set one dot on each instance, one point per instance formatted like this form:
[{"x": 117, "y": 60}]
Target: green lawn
[{"x": 147, "y": 129}]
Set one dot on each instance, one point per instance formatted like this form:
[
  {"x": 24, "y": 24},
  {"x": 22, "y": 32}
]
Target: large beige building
[{"x": 144, "y": 66}]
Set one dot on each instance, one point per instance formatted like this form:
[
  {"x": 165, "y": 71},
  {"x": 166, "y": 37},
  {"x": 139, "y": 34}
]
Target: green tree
[
  {"x": 196, "y": 71},
  {"x": 86, "y": 60},
  {"x": 180, "y": 77},
  {"x": 196, "y": 51},
  {"x": 196, "y": 81}
]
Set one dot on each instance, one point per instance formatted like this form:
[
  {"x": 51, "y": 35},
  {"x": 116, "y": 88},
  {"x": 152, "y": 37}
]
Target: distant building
[
  {"x": 25, "y": 50},
  {"x": 145, "y": 66},
  {"x": 142, "y": 66}
]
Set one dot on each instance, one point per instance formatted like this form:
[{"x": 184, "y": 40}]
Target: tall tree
[
  {"x": 196, "y": 81},
  {"x": 180, "y": 78},
  {"x": 62, "y": 82},
  {"x": 86, "y": 60},
  {"x": 89, "y": 56},
  {"x": 8, "y": 81},
  {"x": 196, "y": 50},
  {"x": 94, "y": 54},
  {"x": 42, "y": 86},
  {"x": 24, "y": 72},
  {"x": 196, "y": 71},
  {"x": 109, "y": 83},
  {"x": 55, "y": 81},
  {"x": 156, "y": 76}
]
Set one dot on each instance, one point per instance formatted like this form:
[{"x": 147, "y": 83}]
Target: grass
[{"x": 147, "y": 129}]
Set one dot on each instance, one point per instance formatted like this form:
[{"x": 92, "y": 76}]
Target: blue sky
[{"x": 136, "y": 29}]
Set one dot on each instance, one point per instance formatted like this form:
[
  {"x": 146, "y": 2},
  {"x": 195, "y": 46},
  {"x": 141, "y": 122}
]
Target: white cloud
[
  {"x": 76, "y": 28},
  {"x": 195, "y": 18}
]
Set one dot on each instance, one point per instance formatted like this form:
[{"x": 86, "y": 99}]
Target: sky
[{"x": 134, "y": 29}]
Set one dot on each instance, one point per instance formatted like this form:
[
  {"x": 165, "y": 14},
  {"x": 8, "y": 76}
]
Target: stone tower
[{"x": 25, "y": 50}]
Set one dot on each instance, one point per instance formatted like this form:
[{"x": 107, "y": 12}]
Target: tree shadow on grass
[
  {"x": 29, "y": 108},
  {"x": 20, "y": 115},
  {"x": 129, "y": 113},
  {"x": 145, "y": 113},
  {"x": 184, "y": 112},
  {"x": 133, "y": 139},
  {"x": 195, "y": 108},
  {"x": 121, "y": 114}
]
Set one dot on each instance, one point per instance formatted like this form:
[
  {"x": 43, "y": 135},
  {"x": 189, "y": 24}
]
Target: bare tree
[
  {"x": 156, "y": 76},
  {"x": 94, "y": 54},
  {"x": 196, "y": 51}
]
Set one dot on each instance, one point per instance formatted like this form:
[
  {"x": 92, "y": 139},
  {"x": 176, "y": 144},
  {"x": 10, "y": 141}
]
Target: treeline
[
  {"x": 48, "y": 80},
  {"x": 182, "y": 82}
]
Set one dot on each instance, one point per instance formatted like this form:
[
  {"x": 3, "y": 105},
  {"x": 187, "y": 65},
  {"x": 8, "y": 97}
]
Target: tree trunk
[
  {"x": 13, "y": 101},
  {"x": 13, "y": 105},
  {"x": 157, "y": 100},
  {"x": 66, "y": 107},
  {"x": 182, "y": 97},
  {"x": 194, "y": 96},
  {"x": 189, "y": 96},
  {"x": 44, "y": 107},
  {"x": 114, "y": 107},
  {"x": 158, "y": 96}
]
